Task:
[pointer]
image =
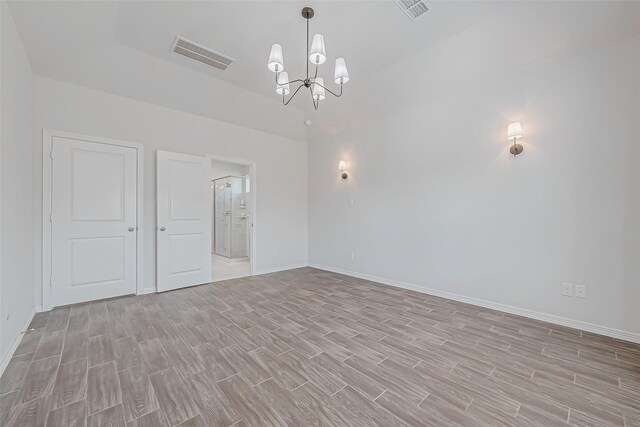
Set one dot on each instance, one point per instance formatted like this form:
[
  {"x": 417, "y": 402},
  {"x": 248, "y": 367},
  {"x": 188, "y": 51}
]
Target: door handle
[
  {"x": 162, "y": 228},
  {"x": 131, "y": 229}
]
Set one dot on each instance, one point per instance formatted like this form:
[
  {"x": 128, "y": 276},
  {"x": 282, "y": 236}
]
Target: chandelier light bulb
[
  {"x": 341, "y": 73},
  {"x": 282, "y": 87},
  {"x": 318, "y": 89},
  {"x": 276, "y": 61},
  {"x": 317, "y": 55}
]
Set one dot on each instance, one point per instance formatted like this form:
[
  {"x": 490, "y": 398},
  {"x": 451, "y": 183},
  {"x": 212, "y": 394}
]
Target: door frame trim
[
  {"x": 47, "y": 145},
  {"x": 254, "y": 204}
]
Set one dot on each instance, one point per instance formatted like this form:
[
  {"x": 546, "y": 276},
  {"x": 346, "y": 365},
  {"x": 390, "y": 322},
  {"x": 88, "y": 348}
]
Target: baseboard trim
[
  {"x": 146, "y": 291},
  {"x": 281, "y": 268},
  {"x": 16, "y": 342},
  {"x": 537, "y": 315}
]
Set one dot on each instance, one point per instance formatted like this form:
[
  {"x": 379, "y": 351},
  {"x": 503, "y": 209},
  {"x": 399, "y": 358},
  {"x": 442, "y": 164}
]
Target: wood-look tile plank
[
  {"x": 214, "y": 361},
  {"x": 76, "y": 346},
  {"x": 154, "y": 355},
  {"x": 408, "y": 412},
  {"x": 215, "y": 407},
  {"x": 303, "y": 346},
  {"x": 245, "y": 364},
  {"x": 7, "y": 406},
  {"x": 29, "y": 342},
  {"x": 292, "y": 410},
  {"x": 253, "y": 409},
  {"x": 70, "y": 385},
  {"x": 326, "y": 346},
  {"x": 324, "y": 380},
  {"x": 103, "y": 387},
  {"x": 73, "y": 415},
  {"x": 127, "y": 353},
  {"x": 50, "y": 345},
  {"x": 152, "y": 419},
  {"x": 39, "y": 379},
  {"x": 285, "y": 375},
  {"x": 182, "y": 357},
  {"x": 100, "y": 350},
  {"x": 138, "y": 397},
  {"x": 397, "y": 381},
  {"x": 368, "y": 386},
  {"x": 366, "y": 410},
  {"x": 110, "y": 417},
  {"x": 32, "y": 413},
  {"x": 173, "y": 395},
  {"x": 329, "y": 410},
  {"x": 15, "y": 372}
]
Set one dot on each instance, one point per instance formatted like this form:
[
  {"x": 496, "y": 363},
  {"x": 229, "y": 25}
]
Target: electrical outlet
[
  {"x": 352, "y": 256},
  {"x": 567, "y": 289},
  {"x": 352, "y": 201},
  {"x": 581, "y": 291}
]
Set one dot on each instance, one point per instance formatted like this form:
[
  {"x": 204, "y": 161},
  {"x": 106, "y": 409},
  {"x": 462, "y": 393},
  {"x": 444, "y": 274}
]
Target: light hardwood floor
[{"x": 309, "y": 347}]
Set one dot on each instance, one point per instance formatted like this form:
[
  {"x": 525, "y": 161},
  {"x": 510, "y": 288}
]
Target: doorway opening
[{"x": 232, "y": 219}]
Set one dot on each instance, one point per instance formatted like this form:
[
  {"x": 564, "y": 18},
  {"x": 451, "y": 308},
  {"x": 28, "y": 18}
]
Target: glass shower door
[{"x": 222, "y": 217}]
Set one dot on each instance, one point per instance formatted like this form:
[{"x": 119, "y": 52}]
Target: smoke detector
[
  {"x": 412, "y": 8},
  {"x": 199, "y": 53}
]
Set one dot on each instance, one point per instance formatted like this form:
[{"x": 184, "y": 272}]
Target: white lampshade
[
  {"x": 317, "y": 90},
  {"x": 341, "y": 74},
  {"x": 342, "y": 166},
  {"x": 276, "y": 62},
  {"x": 317, "y": 54},
  {"x": 283, "y": 89},
  {"x": 514, "y": 130}
]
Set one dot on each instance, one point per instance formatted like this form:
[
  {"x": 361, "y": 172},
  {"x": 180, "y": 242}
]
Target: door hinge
[
  {"x": 50, "y": 283},
  {"x": 50, "y": 218},
  {"x": 51, "y": 154}
]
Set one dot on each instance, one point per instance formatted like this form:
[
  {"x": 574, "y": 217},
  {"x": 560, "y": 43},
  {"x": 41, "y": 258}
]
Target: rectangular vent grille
[
  {"x": 412, "y": 8},
  {"x": 201, "y": 54}
]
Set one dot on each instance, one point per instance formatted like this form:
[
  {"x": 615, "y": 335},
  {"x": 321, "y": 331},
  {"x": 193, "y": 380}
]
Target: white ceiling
[{"x": 123, "y": 47}]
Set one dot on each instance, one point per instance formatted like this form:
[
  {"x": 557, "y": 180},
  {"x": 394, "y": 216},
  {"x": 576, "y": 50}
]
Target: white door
[
  {"x": 93, "y": 218},
  {"x": 184, "y": 221}
]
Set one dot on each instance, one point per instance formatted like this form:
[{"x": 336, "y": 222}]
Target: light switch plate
[
  {"x": 581, "y": 291},
  {"x": 567, "y": 289}
]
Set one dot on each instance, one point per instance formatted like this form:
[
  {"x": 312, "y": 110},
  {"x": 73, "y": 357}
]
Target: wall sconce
[
  {"x": 342, "y": 166},
  {"x": 514, "y": 131}
]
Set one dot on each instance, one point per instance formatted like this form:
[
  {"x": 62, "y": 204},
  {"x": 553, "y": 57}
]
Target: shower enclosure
[{"x": 231, "y": 213}]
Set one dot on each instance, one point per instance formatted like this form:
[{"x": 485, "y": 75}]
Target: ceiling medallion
[{"x": 317, "y": 56}]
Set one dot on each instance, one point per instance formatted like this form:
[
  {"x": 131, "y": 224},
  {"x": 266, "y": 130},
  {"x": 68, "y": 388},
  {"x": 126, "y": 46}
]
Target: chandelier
[{"x": 317, "y": 57}]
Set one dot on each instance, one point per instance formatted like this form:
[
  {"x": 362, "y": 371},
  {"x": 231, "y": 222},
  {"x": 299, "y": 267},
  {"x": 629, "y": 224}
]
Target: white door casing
[
  {"x": 93, "y": 220},
  {"x": 184, "y": 203}
]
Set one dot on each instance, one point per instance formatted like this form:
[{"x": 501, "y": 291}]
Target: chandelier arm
[
  {"x": 316, "y": 75},
  {"x": 328, "y": 90},
  {"x": 291, "y": 97},
  {"x": 286, "y": 83}
]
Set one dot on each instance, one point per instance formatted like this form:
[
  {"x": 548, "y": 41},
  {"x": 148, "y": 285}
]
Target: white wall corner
[{"x": 7, "y": 357}]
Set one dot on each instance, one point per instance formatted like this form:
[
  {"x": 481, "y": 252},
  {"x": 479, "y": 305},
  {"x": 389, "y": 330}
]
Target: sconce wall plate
[
  {"x": 516, "y": 149},
  {"x": 514, "y": 132},
  {"x": 342, "y": 166}
]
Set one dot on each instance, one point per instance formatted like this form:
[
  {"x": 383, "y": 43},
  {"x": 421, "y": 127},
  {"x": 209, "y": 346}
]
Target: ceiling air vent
[
  {"x": 200, "y": 53},
  {"x": 412, "y": 8}
]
